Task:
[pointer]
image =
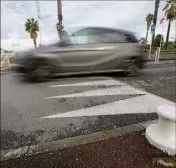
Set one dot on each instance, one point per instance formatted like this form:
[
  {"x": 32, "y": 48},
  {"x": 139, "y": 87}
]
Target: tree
[
  {"x": 61, "y": 31},
  {"x": 170, "y": 13},
  {"x": 149, "y": 19},
  {"x": 157, "y": 2},
  {"x": 158, "y": 39},
  {"x": 31, "y": 26},
  {"x": 60, "y": 18},
  {"x": 143, "y": 40},
  {"x": 64, "y": 32}
]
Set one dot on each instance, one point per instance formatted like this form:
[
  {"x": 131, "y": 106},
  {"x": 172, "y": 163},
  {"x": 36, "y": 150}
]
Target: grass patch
[{"x": 11, "y": 59}]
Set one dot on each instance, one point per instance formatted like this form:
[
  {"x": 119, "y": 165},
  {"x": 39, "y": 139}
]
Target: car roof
[{"x": 107, "y": 28}]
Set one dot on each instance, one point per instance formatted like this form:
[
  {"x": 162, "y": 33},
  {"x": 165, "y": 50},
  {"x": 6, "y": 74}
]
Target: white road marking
[
  {"x": 93, "y": 83},
  {"x": 142, "y": 104},
  {"x": 120, "y": 90}
]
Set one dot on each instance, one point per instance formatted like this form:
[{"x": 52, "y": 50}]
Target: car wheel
[
  {"x": 132, "y": 69},
  {"x": 41, "y": 74}
]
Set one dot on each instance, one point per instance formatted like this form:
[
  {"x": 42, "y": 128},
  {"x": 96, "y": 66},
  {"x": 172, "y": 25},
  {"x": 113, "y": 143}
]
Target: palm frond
[
  {"x": 149, "y": 19},
  {"x": 166, "y": 6},
  {"x": 170, "y": 10},
  {"x": 32, "y": 20},
  {"x": 32, "y": 26}
]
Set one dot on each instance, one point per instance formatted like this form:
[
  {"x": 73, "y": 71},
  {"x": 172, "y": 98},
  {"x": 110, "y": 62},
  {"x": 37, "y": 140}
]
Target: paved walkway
[{"x": 130, "y": 151}]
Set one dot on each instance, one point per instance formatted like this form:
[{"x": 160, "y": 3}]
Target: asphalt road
[
  {"x": 159, "y": 81},
  {"x": 32, "y": 113}
]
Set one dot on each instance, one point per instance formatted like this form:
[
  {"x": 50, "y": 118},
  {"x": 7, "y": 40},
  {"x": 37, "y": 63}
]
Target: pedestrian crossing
[{"x": 136, "y": 101}]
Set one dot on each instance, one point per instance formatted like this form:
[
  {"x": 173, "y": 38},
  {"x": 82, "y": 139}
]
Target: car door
[
  {"x": 110, "y": 45},
  {"x": 84, "y": 56},
  {"x": 105, "y": 50},
  {"x": 101, "y": 52}
]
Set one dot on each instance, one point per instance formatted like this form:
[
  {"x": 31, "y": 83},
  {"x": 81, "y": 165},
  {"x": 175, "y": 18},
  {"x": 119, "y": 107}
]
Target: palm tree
[
  {"x": 64, "y": 32},
  {"x": 158, "y": 38},
  {"x": 157, "y": 2},
  {"x": 143, "y": 40},
  {"x": 31, "y": 26},
  {"x": 60, "y": 18},
  {"x": 170, "y": 12},
  {"x": 61, "y": 31},
  {"x": 149, "y": 19}
]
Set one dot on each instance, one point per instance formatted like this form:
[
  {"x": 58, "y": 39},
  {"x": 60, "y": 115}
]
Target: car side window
[
  {"x": 97, "y": 36},
  {"x": 94, "y": 35},
  {"x": 89, "y": 32},
  {"x": 114, "y": 37},
  {"x": 108, "y": 36}
]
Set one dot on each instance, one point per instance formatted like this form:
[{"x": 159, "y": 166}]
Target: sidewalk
[
  {"x": 127, "y": 151},
  {"x": 162, "y": 57},
  {"x": 4, "y": 68},
  {"x": 161, "y": 63}
]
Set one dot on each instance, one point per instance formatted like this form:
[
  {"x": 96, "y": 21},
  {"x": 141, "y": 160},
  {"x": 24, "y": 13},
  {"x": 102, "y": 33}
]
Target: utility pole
[{"x": 38, "y": 19}]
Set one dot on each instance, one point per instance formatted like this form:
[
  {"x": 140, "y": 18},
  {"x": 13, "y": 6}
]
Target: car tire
[
  {"x": 132, "y": 68},
  {"x": 41, "y": 73}
]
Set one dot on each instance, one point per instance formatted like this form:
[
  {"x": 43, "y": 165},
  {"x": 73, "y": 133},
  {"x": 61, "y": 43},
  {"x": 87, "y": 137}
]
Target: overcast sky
[{"x": 128, "y": 15}]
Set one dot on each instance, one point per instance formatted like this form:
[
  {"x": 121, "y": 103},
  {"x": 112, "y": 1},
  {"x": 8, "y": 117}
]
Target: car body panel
[{"x": 85, "y": 57}]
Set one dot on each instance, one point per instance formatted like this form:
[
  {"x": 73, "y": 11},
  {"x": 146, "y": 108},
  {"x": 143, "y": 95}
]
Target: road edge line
[{"x": 73, "y": 141}]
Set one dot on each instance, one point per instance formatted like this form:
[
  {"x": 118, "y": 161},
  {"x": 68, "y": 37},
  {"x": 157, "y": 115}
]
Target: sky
[{"x": 129, "y": 15}]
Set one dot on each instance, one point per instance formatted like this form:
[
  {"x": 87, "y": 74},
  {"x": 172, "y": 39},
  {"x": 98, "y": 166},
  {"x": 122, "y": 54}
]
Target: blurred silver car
[{"x": 88, "y": 50}]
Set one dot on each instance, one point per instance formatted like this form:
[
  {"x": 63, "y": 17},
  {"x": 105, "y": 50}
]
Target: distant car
[{"x": 88, "y": 50}]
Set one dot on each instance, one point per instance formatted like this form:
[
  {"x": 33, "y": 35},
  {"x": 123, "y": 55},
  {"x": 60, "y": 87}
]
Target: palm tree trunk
[
  {"x": 157, "y": 2},
  {"x": 58, "y": 33},
  {"x": 147, "y": 34},
  {"x": 168, "y": 32},
  {"x": 35, "y": 43},
  {"x": 59, "y": 10}
]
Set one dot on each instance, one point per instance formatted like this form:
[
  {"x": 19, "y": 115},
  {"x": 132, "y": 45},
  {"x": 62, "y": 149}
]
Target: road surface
[{"x": 32, "y": 113}]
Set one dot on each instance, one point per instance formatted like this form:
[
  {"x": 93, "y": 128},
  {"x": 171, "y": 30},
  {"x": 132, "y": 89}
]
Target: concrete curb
[
  {"x": 161, "y": 62},
  {"x": 164, "y": 62},
  {"x": 73, "y": 141},
  {"x": 153, "y": 64}
]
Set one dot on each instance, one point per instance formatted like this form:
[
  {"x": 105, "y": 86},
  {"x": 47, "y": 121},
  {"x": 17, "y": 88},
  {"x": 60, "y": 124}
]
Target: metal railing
[{"x": 5, "y": 63}]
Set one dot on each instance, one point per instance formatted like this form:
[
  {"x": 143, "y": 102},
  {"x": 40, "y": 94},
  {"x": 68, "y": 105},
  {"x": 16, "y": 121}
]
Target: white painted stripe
[
  {"x": 141, "y": 104},
  {"x": 92, "y": 83},
  {"x": 120, "y": 90}
]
